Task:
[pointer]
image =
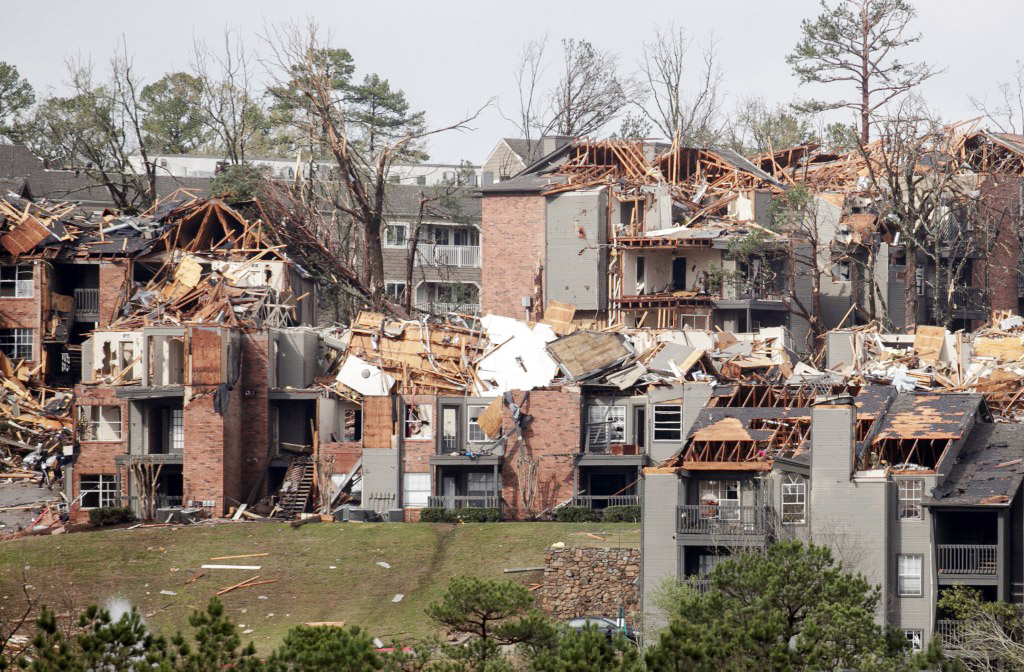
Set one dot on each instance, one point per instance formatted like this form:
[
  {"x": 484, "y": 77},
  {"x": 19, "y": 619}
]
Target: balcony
[
  {"x": 949, "y": 633},
  {"x": 963, "y": 299},
  {"x": 980, "y": 560},
  {"x": 443, "y": 308},
  {"x": 604, "y": 501},
  {"x": 456, "y": 502},
  {"x": 463, "y": 256},
  {"x": 719, "y": 520},
  {"x": 87, "y": 305}
]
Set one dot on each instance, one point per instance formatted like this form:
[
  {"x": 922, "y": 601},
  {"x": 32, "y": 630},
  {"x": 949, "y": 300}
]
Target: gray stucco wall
[
  {"x": 380, "y": 479},
  {"x": 575, "y": 268}
]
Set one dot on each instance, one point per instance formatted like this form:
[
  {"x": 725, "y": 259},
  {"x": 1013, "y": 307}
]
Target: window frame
[
  {"x": 106, "y": 489},
  {"x": 422, "y": 414},
  {"x": 397, "y": 296},
  {"x": 92, "y": 416},
  {"x": 17, "y": 283},
  {"x": 608, "y": 420},
  {"x": 388, "y": 228},
  {"x": 795, "y": 485},
  {"x": 909, "y": 504},
  {"x": 902, "y": 576},
  {"x": 422, "y": 496},
  {"x": 13, "y": 342},
  {"x": 915, "y": 637},
  {"x": 471, "y": 423},
  {"x": 674, "y": 427}
]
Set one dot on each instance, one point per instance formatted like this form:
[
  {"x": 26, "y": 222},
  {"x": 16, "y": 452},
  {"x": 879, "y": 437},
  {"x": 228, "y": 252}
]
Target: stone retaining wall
[{"x": 590, "y": 582}]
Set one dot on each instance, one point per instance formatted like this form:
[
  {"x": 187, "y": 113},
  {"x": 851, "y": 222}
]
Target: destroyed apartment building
[
  {"x": 666, "y": 236},
  {"x": 903, "y": 454}
]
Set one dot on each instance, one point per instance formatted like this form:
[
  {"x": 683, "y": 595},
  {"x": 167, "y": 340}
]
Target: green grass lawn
[{"x": 324, "y": 571}]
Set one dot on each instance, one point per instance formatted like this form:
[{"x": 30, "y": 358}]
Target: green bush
[
  {"x": 110, "y": 515},
  {"x": 437, "y": 514},
  {"x": 622, "y": 514},
  {"x": 577, "y": 514}
]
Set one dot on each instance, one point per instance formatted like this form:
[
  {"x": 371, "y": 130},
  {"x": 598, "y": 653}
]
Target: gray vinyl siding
[
  {"x": 136, "y": 429},
  {"x": 381, "y": 477},
  {"x": 913, "y": 537},
  {"x": 838, "y": 349},
  {"x": 576, "y": 258},
  {"x": 87, "y": 374},
  {"x": 394, "y": 270},
  {"x": 897, "y": 309},
  {"x": 297, "y": 354},
  {"x": 660, "y": 557}
]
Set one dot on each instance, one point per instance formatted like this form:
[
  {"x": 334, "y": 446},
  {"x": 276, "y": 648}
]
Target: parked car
[{"x": 608, "y": 626}]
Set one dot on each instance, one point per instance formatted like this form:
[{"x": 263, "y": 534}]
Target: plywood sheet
[
  {"x": 928, "y": 342},
  {"x": 1008, "y": 349},
  {"x": 490, "y": 420}
]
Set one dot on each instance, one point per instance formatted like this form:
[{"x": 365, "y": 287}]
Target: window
[
  {"x": 606, "y": 425},
  {"x": 449, "y": 429},
  {"x": 16, "y": 282},
  {"x": 418, "y": 421},
  {"x": 719, "y": 499},
  {"x": 794, "y": 500},
  {"x": 909, "y": 574},
  {"x": 910, "y": 491},
  {"x": 394, "y": 235},
  {"x": 706, "y": 563},
  {"x": 476, "y": 434},
  {"x": 16, "y": 343},
  {"x": 177, "y": 430},
  {"x": 421, "y": 180},
  {"x": 99, "y": 490},
  {"x": 100, "y": 423},
  {"x": 915, "y": 638},
  {"x": 395, "y": 290},
  {"x": 417, "y": 489},
  {"x": 481, "y": 486},
  {"x": 668, "y": 422}
]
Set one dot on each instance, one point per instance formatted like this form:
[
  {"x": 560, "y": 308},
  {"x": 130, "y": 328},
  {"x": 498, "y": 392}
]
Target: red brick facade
[
  {"x": 98, "y": 457},
  {"x": 112, "y": 277},
  {"x": 998, "y": 269},
  {"x": 28, "y": 313},
  {"x": 513, "y": 235}
]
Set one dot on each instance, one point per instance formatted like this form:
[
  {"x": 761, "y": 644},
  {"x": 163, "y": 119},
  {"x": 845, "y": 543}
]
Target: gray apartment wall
[
  {"x": 297, "y": 355},
  {"x": 849, "y": 515},
  {"x": 695, "y": 397},
  {"x": 575, "y": 268},
  {"x": 394, "y": 270},
  {"x": 381, "y": 476},
  {"x": 660, "y": 554},
  {"x": 913, "y": 537},
  {"x": 838, "y": 349}
]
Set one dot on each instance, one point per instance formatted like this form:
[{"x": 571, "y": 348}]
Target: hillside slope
[{"x": 323, "y": 572}]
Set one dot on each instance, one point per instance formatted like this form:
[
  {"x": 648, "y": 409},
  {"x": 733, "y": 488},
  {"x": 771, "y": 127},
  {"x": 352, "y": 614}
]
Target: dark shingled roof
[
  {"x": 527, "y": 150},
  {"x": 402, "y": 201},
  {"x": 976, "y": 479}
]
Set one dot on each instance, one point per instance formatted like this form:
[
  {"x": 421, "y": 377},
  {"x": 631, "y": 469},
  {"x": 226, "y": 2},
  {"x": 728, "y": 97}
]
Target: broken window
[
  {"x": 909, "y": 575},
  {"x": 166, "y": 360},
  {"x": 100, "y": 423},
  {"x": 910, "y": 491},
  {"x": 476, "y": 433},
  {"x": 16, "y": 343},
  {"x": 16, "y": 282},
  {"x": 395, "y": 235},
  {"x": 99, "y": 490},
  {"x": 605, "y": 425},
  {"x": 353, "y": 430},
  {"x": 794, "y": 500},
  {"x": 419, "y": 421},
  {"x": 417, "y": 489},
  {"x": 668, "y": 422}
]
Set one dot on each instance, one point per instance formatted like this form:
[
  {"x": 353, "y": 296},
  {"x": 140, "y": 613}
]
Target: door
[
  {"x": 678, "y": 274},
  {"x": 640, "y": 429}
]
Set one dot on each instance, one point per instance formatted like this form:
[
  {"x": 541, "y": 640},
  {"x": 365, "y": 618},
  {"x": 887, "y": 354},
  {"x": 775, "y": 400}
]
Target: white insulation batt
[
  {"x": 364, "y": 378},
  {"x": 521, "y": 362}
]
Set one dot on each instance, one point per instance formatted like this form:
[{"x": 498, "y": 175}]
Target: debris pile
[{"x": 35, "y": 423}]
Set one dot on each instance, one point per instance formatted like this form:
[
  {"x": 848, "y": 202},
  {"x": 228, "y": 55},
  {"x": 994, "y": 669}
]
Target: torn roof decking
[{"x": 988, "y": 471}]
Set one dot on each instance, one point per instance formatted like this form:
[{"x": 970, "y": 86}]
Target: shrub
[
  {"x": 436, "y": 514},
  {"x": 622, "y": 514},
  {"x": 110, "y": 515},
  {"x": 577, "y": 514}
]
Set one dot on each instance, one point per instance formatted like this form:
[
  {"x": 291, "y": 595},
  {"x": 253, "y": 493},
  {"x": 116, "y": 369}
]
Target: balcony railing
[
  {"x": 723, "y": 519},
  {"x": 455, "y": 502},
  {"x": 701, "y": 584},
  {"x": 949, "y": 632},
  {"x": 466, "y": 256},
  {"x": 443, "y": 308},
  {"x": 972, "y": 559},
  {"x": 87, "y": 304},
  {"x": 963, "y": 298},
  {"x": 603, "y": 501}
]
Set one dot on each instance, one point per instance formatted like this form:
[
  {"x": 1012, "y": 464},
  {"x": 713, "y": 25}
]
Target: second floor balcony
[
  {"x": 463, "y": 256},
  {"x": 724, "y": 520},
  {"x": 87, "y": 304},
  {"x": 967, "y": 560}
]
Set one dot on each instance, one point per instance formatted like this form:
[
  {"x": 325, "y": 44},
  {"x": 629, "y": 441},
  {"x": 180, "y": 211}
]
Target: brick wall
[
  {"x": 345, "y": 454},
  {"x": 512, "y": 231},
  {"x": 997, "y": 269},
  {"x": 112, "y": 278},
  {"x": 253, "y": 400},
  {"x": 551, "y": 441},
  {"x": 590, "y": 582},
  {"x": 416, "y": 453},
  {"x": 98, "y": 457},
  {"x": 211, "y": 455},
  {"x": 28, "y": 313}
]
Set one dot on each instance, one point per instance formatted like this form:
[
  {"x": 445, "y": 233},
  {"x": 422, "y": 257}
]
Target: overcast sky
[{"x": 451, "y": 56}]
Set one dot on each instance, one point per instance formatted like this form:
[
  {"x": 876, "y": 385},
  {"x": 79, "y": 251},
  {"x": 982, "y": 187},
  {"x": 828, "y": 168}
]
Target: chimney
[
  {"x": 833, "y": 440},
  {"x": 550, "y": 143}
]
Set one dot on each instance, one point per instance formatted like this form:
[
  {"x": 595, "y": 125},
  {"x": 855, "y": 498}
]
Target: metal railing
[
  {"x": 752, "y": 289},
  {"x": 453, "y": 502},
  {"x": 723, "y": 519},
  {"x": 87, "y": 304},
  {"x": 949, "y": 633},
  {"x": 603, "y": 501},
  {"x": 700, "y": 584},
  {"x": 977, "y": 559}
]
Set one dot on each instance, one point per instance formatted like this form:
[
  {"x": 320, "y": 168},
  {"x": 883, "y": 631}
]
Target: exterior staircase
[{"x": 297, "y": 487}]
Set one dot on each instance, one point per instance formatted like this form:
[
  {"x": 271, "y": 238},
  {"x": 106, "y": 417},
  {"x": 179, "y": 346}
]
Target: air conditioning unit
[{"x": 396, "y": 516}]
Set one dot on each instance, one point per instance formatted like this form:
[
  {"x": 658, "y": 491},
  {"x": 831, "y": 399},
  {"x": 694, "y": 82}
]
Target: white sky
[{"x": 451, "y": 56}]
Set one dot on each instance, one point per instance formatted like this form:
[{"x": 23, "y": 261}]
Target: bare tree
[
  {"x": 758, "y": 128},
  {"x": 1007, "y": 113},
  {"x": 295, "y": 61},
  {"x": 693, "y": 113},
  {"x": 856, "y": 42},
  {"x": 230, "y": 105}
]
